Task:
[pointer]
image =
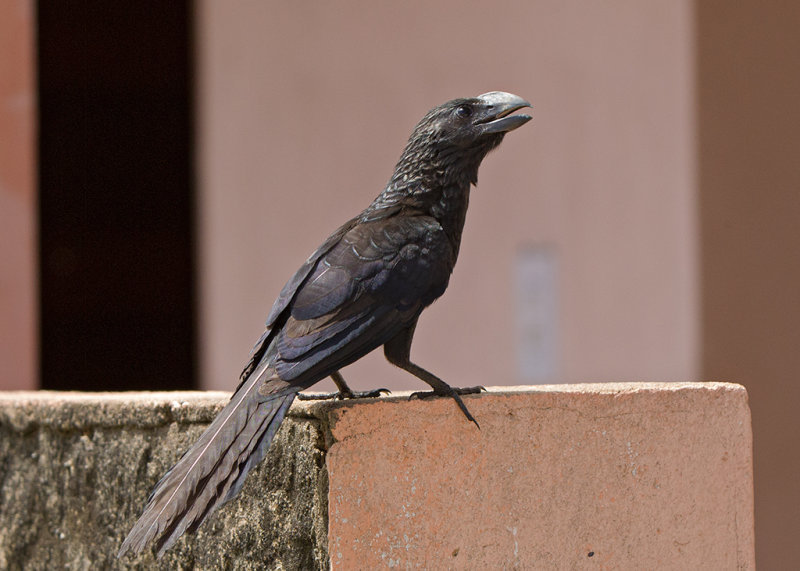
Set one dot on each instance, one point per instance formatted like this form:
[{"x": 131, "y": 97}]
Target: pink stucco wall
[
  {"x": 304, "y": 110},
  {"x": 18, "y": 368}
]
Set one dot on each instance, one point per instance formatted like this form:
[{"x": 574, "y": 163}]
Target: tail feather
[
  {"x": 213, "y": 499},
  {"x": 212, "y": 471},
  {"x": 257, "y": 453},
  {"x": 215, "y": 491}
]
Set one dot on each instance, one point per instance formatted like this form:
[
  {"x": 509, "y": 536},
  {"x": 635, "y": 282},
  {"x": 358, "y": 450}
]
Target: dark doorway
[{"x": 116, "y": 195}]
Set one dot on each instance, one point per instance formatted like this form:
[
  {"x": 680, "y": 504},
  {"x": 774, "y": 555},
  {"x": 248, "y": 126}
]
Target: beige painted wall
[
  {"x": 304, "y": 109},
  {"x": 18, "y": 353}
]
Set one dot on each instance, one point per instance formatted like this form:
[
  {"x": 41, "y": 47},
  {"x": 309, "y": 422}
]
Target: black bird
[{"x": 364, "y": 287}]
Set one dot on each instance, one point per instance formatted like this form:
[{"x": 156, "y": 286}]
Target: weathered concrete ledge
[
  {"x": 600, "y": 476},
  {"x": 76, "y": 469}
]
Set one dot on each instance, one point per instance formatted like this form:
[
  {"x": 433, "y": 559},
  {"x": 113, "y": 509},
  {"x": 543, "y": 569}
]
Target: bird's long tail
[{"x": 213, "y": 470}]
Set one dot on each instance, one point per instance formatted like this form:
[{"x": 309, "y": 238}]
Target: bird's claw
[
  {"x": 454, "y": 393},
  {"x": 455, "y": 390},
  {"x": 373, "y": 394},
  {"x": 339, "y": 395}
]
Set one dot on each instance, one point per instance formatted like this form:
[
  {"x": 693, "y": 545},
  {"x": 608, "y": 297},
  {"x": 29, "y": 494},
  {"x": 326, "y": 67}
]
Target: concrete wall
[
  {"x": 18, "y": 306},
  {"x": 608, "y": 476},
  {"x": 303, "y": 111},
  {"x": 76, "y": 469}
]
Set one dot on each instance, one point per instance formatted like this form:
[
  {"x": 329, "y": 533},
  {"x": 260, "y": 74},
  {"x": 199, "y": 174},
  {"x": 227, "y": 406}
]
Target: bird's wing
[{"x": 368, "y": 286}]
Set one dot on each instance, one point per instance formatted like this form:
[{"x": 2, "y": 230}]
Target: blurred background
[{"x": 166, "y": 166}]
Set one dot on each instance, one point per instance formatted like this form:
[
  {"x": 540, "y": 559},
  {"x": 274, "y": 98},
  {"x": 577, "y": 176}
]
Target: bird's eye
[{"x": 463, "y": 111}]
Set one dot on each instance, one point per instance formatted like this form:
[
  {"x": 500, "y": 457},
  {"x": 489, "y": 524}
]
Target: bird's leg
[
  {"x": 440, "y": 388},
  {"x": 398, "y": 352},
  {"x": 344, "y": 391}
]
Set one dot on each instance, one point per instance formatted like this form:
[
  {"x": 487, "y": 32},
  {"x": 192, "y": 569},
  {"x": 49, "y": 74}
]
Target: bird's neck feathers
[
  {"x": 428, "y": 165},
  {"x": 434, "y": 180}
]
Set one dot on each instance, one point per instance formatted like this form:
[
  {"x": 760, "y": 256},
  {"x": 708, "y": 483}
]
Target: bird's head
[
  {"x": 454, "y": 137},
  {"x": 477, "y": 121}
]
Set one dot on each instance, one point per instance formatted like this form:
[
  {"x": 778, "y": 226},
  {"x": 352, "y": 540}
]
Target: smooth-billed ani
[{"x": 363, "y": 288}]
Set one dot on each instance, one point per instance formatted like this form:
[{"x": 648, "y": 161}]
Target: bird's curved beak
[{"x": 498, "y": 107}]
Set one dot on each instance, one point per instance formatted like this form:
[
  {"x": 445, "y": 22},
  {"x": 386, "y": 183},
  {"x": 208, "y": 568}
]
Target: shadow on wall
[{"x": 748, "y": 83}]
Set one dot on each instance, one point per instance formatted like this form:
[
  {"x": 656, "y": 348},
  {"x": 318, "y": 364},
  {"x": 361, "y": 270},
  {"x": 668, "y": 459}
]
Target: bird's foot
[
  {"x": 373, "y": 394},
  {"x": 343, "y": 395},
  {"x": 446, "y": 393},
  {"x": 454, "y": 393}
]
